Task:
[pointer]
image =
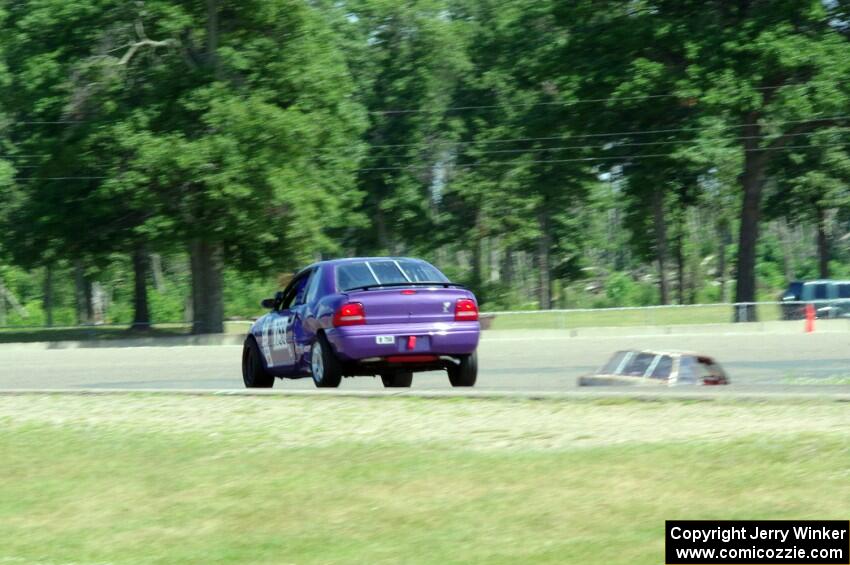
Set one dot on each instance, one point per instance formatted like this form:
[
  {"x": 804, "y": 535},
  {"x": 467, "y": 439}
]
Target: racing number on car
[{"x": 279, "y": 333}]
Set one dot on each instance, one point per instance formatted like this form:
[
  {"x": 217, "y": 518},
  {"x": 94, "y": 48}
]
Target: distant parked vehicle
[
  {"x": 665, "y": 368},
  {"x": 387, "y": 316},
  {"x": 830, "y": 298}
]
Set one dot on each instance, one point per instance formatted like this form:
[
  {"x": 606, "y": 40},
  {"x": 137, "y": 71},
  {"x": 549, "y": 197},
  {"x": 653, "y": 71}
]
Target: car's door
[
  {"x": 289, "y": 324},
  {"x": 301, "y": 330},
  {"x": 275, "y": 338}
]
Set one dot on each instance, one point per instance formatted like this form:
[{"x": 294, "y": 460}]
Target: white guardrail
[{"x": 665, "y": 315}]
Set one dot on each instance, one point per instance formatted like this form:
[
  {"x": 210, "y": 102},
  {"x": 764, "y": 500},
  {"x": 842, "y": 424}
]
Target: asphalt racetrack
[{"x": 518, "y": 360}]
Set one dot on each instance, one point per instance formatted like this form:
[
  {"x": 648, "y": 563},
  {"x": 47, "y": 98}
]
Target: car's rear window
[{"x": 385, "y": 271}]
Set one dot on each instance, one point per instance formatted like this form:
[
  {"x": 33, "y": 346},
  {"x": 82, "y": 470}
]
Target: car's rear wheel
[
  {"x": 254, "y": 373},
  {"x": 397, "y": 379},
  {"x": 465, "y": 372},
  {"x": 325, "y": 367}
]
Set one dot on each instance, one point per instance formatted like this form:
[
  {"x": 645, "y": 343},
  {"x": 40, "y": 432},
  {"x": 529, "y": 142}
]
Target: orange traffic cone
[{"x": 810, "y": 318}]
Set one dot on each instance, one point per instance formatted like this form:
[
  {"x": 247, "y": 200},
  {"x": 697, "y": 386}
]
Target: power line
[
  {"x": 46, "y": 122},
  {"x": 521, "y": 105},
  {"x": 614, "y": 144},
  {"x": 496, "y": 106},
  {"x": 612, "y": 134},
  {"x": 585, "y": 159},
  {"x": 591, "y": 136},
  {"x": 572, "y": 102},
  {"x": 61, "y": 178},
  {"x": 632, "y": 157}
]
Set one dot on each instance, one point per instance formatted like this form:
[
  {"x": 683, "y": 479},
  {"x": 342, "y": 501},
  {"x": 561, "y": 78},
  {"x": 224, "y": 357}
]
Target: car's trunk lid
[{"x": 408, "y": 304}]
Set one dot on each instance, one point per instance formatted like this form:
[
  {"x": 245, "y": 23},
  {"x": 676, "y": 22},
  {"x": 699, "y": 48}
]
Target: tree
[
  {"x": 810, "y": 184},
  {"x": 773, "y": 71},
  {"x": 223, "y": 127},
  {"x": 408, "y": 58},
  {"x": 517, "y": 176}
]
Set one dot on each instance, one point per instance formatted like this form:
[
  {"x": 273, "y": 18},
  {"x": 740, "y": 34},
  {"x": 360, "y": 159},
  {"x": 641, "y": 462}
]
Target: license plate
[{"x": 385, "y": 339}]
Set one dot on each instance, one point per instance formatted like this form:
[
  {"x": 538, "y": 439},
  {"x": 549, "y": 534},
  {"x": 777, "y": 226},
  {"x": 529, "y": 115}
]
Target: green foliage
[{"x": 545, "y": 153}]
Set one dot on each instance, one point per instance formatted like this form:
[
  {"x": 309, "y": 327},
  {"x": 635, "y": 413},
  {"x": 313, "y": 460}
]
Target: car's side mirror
[{"x": 273, "y": 303}]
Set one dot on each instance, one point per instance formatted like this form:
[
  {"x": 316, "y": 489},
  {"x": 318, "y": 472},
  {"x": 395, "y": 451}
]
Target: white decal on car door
[{"x": 265, "y": 341}]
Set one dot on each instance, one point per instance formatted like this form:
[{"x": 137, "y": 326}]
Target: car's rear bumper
[{"x": 367, "y": 342}]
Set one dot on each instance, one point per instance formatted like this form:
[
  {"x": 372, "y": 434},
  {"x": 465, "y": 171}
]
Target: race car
[
  {"x": 384, "y": 316},
  {"x": 670, "y": 368}
]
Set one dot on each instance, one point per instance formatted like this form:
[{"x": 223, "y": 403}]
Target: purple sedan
[{"x": 387, "y": 316}]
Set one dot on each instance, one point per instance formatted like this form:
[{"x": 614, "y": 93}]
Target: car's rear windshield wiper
[{"x": 444, "y": 284}]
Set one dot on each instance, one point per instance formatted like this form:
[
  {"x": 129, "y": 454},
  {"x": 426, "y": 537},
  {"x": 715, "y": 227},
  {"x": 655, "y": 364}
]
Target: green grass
[
  {"x": 713, "y": 314},
  {"x": 78, "y": 333},
  {"x": 145, "y": 479}
]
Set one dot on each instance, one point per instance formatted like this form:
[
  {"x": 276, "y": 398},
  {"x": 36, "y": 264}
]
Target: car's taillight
[
  {"x": 351, "y": 314},
  {"x": 466, "y": 310}
]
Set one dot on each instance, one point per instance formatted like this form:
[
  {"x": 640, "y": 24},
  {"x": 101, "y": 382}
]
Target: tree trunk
[
  {"x": 661, "y": 244},
  {"x": 82, "y": 294},
  {"x": 47, "y": 300},
  {"x": 2, "y": 303},
  {"x": 99, "y": 303},
  {"x": 212, "y": 38},
  {"x": 544, "y": 268},
  {"x": 156, "y": 271},
  {"x": 680, "y": 267},
  {"x": 477, "y": 253},
  {"x": 382, "y": 231},
  {"x": 207, "y": 297},
  {"x": 752, "y": 181},
  {"x": 787, "y": 250},
  {"x": 141, "y": 313},
  {"x": 507, "y": 268},
  {"x": 495, "y": 260},
  {"x": 88, "y": 289},
  {"x": 722, "y": 242},
  {"x": 823, "y": 244}
]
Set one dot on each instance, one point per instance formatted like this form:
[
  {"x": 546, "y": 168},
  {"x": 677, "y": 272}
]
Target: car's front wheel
[
  {"x": 465, "y": 372},
  {"x": 326, "y": 369},
  {"x": 397, "y": 379},
  {"x": 254, "y": 373}
]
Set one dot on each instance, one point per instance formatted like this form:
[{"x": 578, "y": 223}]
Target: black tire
[
  {"x": 397, "y": 379},
  {"x": 465, "y": 373},
  {"x": 324, "y": 366},
  {"x": 254, "y": 372}
]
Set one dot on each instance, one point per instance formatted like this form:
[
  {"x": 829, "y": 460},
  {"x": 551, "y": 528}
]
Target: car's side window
[
  {"x": 687, "y": 369},
  {"x": 639, "y": 364},
  {"x": 295, "y": 288},
  {"x": 313, "y": 286},
  {"x": 301, "y": 289}
]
